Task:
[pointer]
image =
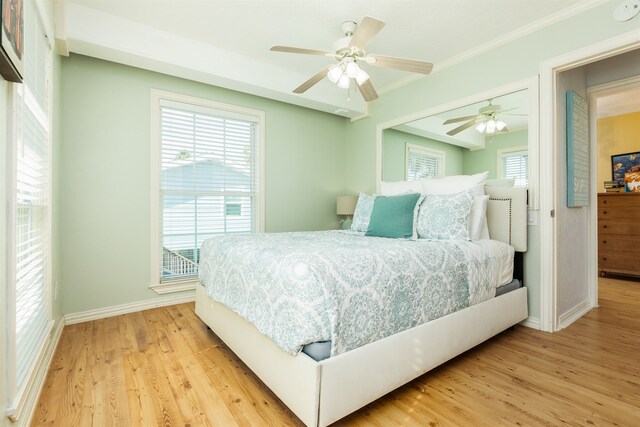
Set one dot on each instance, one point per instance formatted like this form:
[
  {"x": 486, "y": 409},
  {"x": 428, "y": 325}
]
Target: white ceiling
[
  {"x": 620, "y": 103},
  {"x": 226, "y": 42}
]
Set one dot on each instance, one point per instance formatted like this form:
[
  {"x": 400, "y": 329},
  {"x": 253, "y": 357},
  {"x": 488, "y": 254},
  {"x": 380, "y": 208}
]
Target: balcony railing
[{"x": 176, "y": 265}]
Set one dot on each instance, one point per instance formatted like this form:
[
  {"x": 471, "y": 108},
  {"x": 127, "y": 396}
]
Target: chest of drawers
[{"x": 619, "y": 233}]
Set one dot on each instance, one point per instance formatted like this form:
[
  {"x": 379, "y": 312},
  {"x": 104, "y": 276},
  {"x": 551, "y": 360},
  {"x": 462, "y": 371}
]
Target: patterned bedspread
[{"x": 299, "y": 288}]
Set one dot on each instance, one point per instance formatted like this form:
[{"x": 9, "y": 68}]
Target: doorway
[{"x": 569, "y": 271}]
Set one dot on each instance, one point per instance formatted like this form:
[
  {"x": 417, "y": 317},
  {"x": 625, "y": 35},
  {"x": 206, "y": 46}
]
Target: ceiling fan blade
[
  {"x": 459, "y": 119},
  {"x": 368, "y": 91},
  {"x": 300, "y": 50},
  {"x": 411, "y": 65},
  {"x": 463, "y": 127},
  {"x": 313, "y": 80},
  {"x": 365, "y": 32}
]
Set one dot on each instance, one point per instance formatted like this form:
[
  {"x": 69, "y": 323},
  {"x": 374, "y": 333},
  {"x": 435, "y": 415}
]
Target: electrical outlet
[{"x": 532, "y": 217}]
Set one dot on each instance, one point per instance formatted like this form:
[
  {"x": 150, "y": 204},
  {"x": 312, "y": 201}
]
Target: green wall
[
  {"x": 512, "y": 62},
  {"x": 393, "y": 154},
  {"x": 487, "y": 159},
  {"x": 105, "y": 175}
]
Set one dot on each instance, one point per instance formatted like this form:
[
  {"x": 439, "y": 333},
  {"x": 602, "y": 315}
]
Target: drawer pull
[
  {"x": 604, "y": 242},
  {"x": 604, "y": 258},
  {"x": 604, "y": 226},
  {"x": 604, "y": 212},
  {"x": 604, "y": 202}
]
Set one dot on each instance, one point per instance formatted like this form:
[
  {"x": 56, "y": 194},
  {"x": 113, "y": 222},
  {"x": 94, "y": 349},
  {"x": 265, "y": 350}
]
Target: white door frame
[{"x": 549, "y": 70}]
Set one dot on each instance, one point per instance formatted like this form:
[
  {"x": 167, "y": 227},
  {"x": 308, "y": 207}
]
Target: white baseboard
[
  {"x": 116, "y": 310},
  {"x": 32, "y": 394},
  {"x": 570, "y": 316},
  {"x": 531, "y": 322}
]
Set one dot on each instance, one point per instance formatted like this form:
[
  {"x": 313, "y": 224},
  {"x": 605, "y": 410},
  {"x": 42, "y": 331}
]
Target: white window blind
[
  {"x": 31, "y": 208},
  {"x": 516, "y": 165},
  {"x": 208, "y": 183},
  {"x": 422, "y": 162}
]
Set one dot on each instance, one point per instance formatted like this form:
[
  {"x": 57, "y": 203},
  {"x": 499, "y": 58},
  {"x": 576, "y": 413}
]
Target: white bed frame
[{"x": 320, "y": 393}]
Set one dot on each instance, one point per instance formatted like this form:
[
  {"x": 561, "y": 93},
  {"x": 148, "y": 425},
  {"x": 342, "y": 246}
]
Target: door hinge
[{"x": 553, "y": 213}]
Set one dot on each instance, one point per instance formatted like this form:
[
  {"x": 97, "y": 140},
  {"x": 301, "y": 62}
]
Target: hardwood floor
[{"x": 163, "y": 367}]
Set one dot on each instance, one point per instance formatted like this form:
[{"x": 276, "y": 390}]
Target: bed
[{"x": 358, "y": 372}]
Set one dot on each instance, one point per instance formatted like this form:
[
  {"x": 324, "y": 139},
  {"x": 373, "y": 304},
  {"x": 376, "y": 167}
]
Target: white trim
[
  {"x": 531, "y": 322},
  {"x": 171, "y": 287},
  {"x": 27, "y": 405},
  {"x": 157, "y": 97},
  {"x": 579, "y": 310},
  {"x": 131, "y": 307},
  {"x": 548, "y": 72}
]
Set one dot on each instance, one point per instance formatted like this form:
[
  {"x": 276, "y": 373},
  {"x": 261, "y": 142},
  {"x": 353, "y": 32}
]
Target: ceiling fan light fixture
[
  {"x": 335, "y": 73},
  {"x": 481, "y": 127},
  {"x": 361, "y": 76},
  {"x": 500, "y": 125},
  {"x": 491, "y": 126},
  {"x": 344, "y": 81}
]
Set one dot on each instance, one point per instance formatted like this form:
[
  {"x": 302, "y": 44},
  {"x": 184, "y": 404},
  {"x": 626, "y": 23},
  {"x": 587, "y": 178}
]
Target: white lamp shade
[
  {"x": 344, "y": 81},
  {"x": 481, "y": 127},
  {"x": 346, "y": 205},
  {"x": 352, "y": 69},
  {"x": 335, "y": 73},
  {"x": 491, "y": 126},
  {"x": 361, "y": 76},
  {"x": 500, "y": 125}
]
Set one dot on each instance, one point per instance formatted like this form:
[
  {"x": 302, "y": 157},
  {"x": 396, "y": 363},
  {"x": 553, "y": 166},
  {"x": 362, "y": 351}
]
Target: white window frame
[
  {"x": 509, "y": 152},
  {"x": 438, "y": 154},
  {"x": 157, "y": 98},
  {"x": 17, "y": 395}
]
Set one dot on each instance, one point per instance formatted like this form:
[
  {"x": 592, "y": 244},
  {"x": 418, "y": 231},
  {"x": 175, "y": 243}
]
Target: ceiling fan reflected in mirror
[
  {"x": 349, "y": 52},
  {"x": 486, "y": 121}
]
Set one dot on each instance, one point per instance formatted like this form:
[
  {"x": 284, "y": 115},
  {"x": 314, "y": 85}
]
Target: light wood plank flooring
[{"x": 163, "y": 367}]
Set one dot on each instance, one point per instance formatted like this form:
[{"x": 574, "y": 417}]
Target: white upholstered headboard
[{"x": 507, "y": 215}]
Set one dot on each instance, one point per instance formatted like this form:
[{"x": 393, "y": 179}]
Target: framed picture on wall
[
  {"x": 12, "y": 39},
  {"x": 623, "y": 163}
]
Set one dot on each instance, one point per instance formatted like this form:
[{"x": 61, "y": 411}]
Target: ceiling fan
[
  {"x": 486, "y": 121},
  {"x": 349, "y": 51}
]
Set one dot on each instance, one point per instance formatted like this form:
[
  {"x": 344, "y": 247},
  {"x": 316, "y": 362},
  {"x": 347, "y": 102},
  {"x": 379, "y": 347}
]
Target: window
[
  {"x": 29, "y": 229},
  {"x": 207, "y": 173},
  {"x": 423, "y": 162},
  {"x": 514, "y": 163}
]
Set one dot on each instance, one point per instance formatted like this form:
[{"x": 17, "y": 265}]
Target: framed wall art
[
  {"x": 624, "y": 163},
  {"x": 12, "y": 39}
]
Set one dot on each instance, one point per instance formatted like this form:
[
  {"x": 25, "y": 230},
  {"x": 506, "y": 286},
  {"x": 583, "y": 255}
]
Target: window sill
[{"x": 178, "y": 286}]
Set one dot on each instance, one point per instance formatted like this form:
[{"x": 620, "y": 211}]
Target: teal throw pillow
[{"x": 393, "y": 216}]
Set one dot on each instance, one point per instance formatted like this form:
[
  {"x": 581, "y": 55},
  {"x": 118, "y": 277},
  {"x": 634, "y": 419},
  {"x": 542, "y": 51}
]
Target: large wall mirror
[{"x": 495, "y": 131}]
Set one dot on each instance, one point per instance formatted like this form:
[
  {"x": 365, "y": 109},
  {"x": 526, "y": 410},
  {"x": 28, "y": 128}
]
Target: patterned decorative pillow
[
  {"x": 362, "y": 214},
  {"x": 445, "y": 216}
]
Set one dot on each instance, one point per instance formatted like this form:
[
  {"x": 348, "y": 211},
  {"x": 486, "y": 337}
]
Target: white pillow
[
  {"x": 396, "y": 188},
  {"x": 362, "y": 214},
  {"x": 478, "y": 228},
  {"x": 454, "y": 184},
  {"x": 505, "y": 182}
]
